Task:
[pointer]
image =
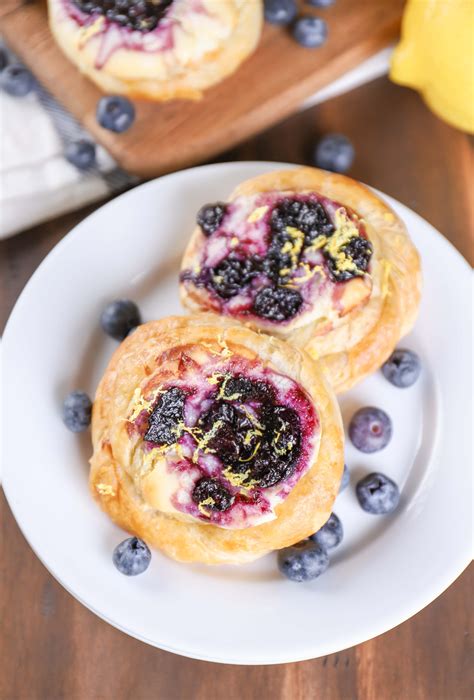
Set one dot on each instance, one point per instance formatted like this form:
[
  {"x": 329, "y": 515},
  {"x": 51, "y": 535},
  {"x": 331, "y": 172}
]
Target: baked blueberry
[
  {"x": 231, "y": 275},
  {"x": 210, "y": 217},
  {"x": 115, "y": 113},
  {"x": 166, "y": 416},
  {"x": 358, "y": 251},
  {"x": 331, "y": 533},
  {"x": 307, "y": 216},
  {"x": 119, "y": 318},
  {"x": 81, "y": 153},
  {"x": 346, "y": 476},
  {"x": 310, "y": 32},
  {"x": 243, "y": 389},
  {"x": 132, "y": 556},
  {"x": 77, "y": 411},
  {"x": 377, "y": 494},
  {"x": 334, "y": 152},
  {"x": 211, "y": 494},
  {"x": 277, "y": 303},
  {"x": 402, "y": 368},
  {"x": 16, "y": 80},
  {"x": 370, "y": 429},
  {"x": 280, "y": 11},
  {"x": 3, "y": 59},
  {"x": 141, "y": 15},
  {"x": 304, "y": 561}
]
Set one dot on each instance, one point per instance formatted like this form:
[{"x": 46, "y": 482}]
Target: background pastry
[
  {"x": 214, "y": 443},
  {"x": 156, "y": 49},
  {"x": 314, "y": 257}
]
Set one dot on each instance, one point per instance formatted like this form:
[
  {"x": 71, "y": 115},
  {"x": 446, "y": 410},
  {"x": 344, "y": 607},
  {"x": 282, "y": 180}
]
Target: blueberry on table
[
  {"x": 80, "y": 153},
  {"x": 334, "y": 152},
  {"x": 310, "y": 32},
  {"x": 320, "y": 3},
  {"x": 377, "y": 494},
  {"x": 280, "y": 11},
  {"x": 331, "y": 533},
  {"x": 345, "y": 479},
  {"x": 115, "y": 113},
  {"x": 132, "y": 556},
  {"x": 16, "y": 80},
  {"x": 77, "y": 411},
  {"x": 210, "y": 216},
  {"x": 370, "y": 429},
  {"x": 402, "y": 368},
  {"x": 304, "y": 561},
  {"x": 3, "y": 59},
  {"x": 119, "y": 318}
]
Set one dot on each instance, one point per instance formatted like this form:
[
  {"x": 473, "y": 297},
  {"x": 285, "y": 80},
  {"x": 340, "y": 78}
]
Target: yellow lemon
[{"x": 436, "y": 57}]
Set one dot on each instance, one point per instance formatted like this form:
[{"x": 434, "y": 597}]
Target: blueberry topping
[
  {"x": 309, "y": 217},
  {"x": 81, "y": 154},
  {"x": 243, "y": 389},
  {"x": 231, "y": 275},
  {"x": 141, "y": 15},
  {"x": 210, "y": 217},
  {"x": 277, "y": 303},
  {"x": 310, "y": 32},
  {"x": 370, "y": 429},
  {"x": 132, "y": 556},
  {"x": 16, "y": 80},
  {"x": 358, "y": 251},
  {"x": 115, "y": 113},
  {"x": 331, "y": 533},
  {"x": 119, "y": 318},
  {"x": 334, "y": 152},
  {"x": 346, "y": 477},
  {"x": 280, "y": 11},
  {"x": 3, "y": 59},
  {"x": 211, "y": 494},
  {"x": 77, "y": 411},
  {"x": 402, "y": 368},
  {"x": 377, "y": 494},
  {"x": 164, "y": 420},
  {"x": 304, "y": 561},
  {"x": 230, "y": 426}
]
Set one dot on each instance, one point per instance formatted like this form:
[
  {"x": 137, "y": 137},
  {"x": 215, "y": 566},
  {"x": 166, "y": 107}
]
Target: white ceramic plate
[{"x": 385, "y": 570}]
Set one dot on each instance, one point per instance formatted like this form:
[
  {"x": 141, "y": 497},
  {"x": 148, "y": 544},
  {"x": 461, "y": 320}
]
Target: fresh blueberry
[
  {"x": 377, "y": 494},
  {"x": 132, "y": 557},
  {"x": 115, "y": 113},
  {"x": 346, "y": 476},
  {"x": 304, "y": 561},
  {"x": 402, "y": 368},
  {"x": 3, "y": 59},
  {"x": 331, "y": 534},
  {"x": 119, "y": 318},
  {"x": 370, "y": 429},
  {"x": 320, "y": 3},
  {"x": 310, "y": 32},
  {"x": 16, "y": 80},
  {"x": 280, "y": 11},
  {"x": 334, "y": 152},
  {"x": 81, "y": 154},
  {"x": 77, "y": 410}
]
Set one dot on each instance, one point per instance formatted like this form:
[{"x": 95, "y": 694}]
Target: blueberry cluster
[
  {"x": 141, "y": 15},
  {"x": 165, "y": 417}
]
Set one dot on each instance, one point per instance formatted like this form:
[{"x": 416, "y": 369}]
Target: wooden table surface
[{"x": 52, "y": 647}]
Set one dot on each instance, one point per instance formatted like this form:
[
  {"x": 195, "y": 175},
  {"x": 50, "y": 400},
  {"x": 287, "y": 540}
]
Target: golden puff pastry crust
[
  {"x": 348, "y": 274},
  {"x": 196, "y": 354},
  {"x": 193, "y": 45}
]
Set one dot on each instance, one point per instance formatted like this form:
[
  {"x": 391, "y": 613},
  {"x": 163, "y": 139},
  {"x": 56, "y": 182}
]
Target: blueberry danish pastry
[
  {"x": 156, "y": 49},
  {"x": 313, "y": 257},
  {"x": 214, "y": 443}
]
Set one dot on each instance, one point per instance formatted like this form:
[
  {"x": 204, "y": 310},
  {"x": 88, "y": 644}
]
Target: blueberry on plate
[
  {"x": 132, "y": 557},
  {"x": 81, "y": 153},
  {"x": 77, "y": 411},
  {"x": 377, "y": 494},
  {"x": 3, "y": 59},
  {"x": 310, "y": 32},
  {"x": 331, "y": 533},
  {"x": 345, "y": 479},
  {"x": 280, "y": 11},
  {"x": 16, "y": 80},
  {"x": 115, "y": 113},
  {"x": 119, "y": 318},
  {"x": 402, "y": 368},
  {"x": 334, "y": 152},
  {"x": 304, "y": 561},
  {"x": 370, "y": 429}
]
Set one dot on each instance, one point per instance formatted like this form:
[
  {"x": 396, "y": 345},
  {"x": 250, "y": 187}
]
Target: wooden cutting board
[{"x": 269, "y": 86}]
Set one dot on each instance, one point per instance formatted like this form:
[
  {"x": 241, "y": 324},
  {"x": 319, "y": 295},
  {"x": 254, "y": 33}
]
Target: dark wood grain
[
  {"x": 53, "y": 648},
  {"x": 266, "y": 88}
]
